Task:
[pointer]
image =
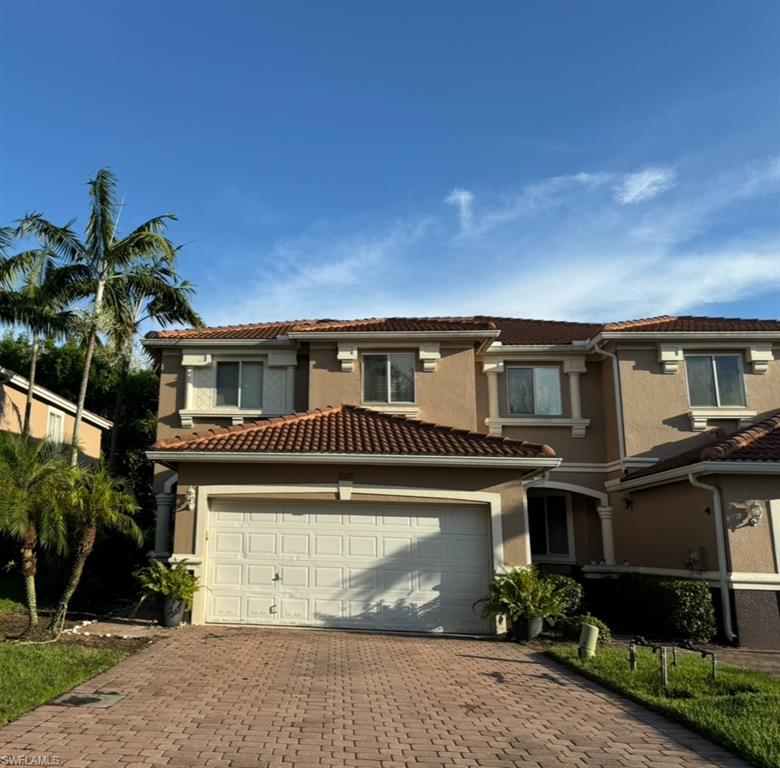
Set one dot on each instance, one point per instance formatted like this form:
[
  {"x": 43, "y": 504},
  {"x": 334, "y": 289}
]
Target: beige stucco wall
[
  {"x": 12, "y": 404},
  {"x": 655, "y": 404},
  {"x": 444, "y": 396},
  {"x": 504, "y": 482},
  {"x": 171, "y": 394},
  {"x": 662, "y": 525},
  {"x": 750, "y": 549}
]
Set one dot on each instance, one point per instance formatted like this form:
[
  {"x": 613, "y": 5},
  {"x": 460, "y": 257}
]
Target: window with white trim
[
  {"x": 388, "y": 378},
  {"x": 239, "y": 384},
  {"x": 550, "y": 526},
  {"x": 715, "y": 380},
  {"x": 534, "y": 391},
  {"x": 55, "y": 426}
]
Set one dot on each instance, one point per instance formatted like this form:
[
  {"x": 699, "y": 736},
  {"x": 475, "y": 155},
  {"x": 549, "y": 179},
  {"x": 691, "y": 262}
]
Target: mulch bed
[{"x": 13, "y": 626}]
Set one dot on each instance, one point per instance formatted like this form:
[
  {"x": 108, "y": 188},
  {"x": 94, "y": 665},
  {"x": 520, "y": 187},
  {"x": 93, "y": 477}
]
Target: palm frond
[
  {"x": 62, "y": 240},
  {"x": 101, "y": 225}
]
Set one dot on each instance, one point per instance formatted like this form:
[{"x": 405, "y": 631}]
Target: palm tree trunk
[
  {"x": 83, "y": 550},
  {"x": 91, "y": 343},
  {"x": 29, "y": 567},
  {"x": 31, "y": 376},
  {"x": 119, "y": 405}
]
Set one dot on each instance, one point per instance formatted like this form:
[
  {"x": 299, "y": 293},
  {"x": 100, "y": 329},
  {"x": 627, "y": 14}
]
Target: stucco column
[
  {"x": 492, "y": 371},
  {"x": 165, "y": 503},
  {"x": 188, "y": 387},
  {"x": 607, "y": 536}
]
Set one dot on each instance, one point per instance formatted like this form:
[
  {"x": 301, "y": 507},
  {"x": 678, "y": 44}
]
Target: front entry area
[{"x": 372, "y": 566}]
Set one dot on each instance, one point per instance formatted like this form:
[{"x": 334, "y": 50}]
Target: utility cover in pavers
[{"x": 98, "y": 700}]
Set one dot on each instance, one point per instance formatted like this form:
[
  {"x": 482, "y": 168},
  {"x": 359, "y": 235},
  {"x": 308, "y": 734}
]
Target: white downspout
[
  {"x": 721, "y": 544},
  {"x": 618, "y": 403}
]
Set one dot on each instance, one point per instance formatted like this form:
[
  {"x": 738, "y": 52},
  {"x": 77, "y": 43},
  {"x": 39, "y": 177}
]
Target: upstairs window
[
  {"x": 715, "y": 380},
  {"x": 548, "y": 519},
  {"x": 534, "y": 391},
  {"x": 388, "y": 378},
  {"x": 55, "y": 426},
  {"x": 239, "y": 385}
]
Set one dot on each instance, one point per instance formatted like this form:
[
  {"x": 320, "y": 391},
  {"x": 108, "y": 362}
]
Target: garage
[{"x": 370, "y": 566}]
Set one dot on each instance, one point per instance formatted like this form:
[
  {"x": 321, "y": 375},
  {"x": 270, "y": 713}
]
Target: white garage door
[{"x": 377, "y": 567}]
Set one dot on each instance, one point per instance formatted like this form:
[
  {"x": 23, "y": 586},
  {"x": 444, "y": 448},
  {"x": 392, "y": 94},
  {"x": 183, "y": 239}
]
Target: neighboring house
[
  {"x": 376, "y": 473},
  {"x": 52, "y": 416}
]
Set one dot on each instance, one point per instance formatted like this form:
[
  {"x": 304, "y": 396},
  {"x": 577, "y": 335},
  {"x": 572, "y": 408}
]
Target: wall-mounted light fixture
[
  {"x": 628, "y": 502},
  {"x": 755, "y": 513}
]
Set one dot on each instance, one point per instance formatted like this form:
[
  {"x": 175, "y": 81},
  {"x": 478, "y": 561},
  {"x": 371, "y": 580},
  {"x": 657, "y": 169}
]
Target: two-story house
[
  {"x": 376, "y": 473},
  {"x": 51, "y": 416}
]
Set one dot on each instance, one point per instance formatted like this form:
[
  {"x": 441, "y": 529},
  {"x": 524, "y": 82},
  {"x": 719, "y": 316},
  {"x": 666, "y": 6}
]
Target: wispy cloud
[
  {"x": 463, "y": 201},
  {"x": 644, "y": 185},
  {"x": 562, "y": 247}
]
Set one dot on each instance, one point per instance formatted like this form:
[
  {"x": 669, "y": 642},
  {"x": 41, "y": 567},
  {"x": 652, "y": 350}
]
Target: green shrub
[
  {"x": 657, "y": 607},
  {"x": 570, "y": 626},
  {"x": 688, "y": 609},
  {"x": 568, "y": 590},
  {"x": 521, "y": 593},
  {"x": 177, "y": 583}
]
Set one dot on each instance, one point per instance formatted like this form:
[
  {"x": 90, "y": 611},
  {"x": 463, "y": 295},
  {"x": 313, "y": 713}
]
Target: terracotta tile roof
[
  {"x": 248, "y": 331},
  {"x": 671, "y": 324},
  {"x": 378, "y": 324},
  {"x": 523, "y": 331},
  {"x": 758, "y": 442},
  {"x": 512, "y": 330},
  {"x": 349, "y": 429}
]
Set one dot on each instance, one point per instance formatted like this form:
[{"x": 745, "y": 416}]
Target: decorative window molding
[
  {"x": 347, "y": 355},
  {"x": 671, "y": 357},
  {"x": 759, "y": 356},
  {"x": 700, "y": 417},
  {"x": 195, "y": 359},
  {"x": 578, "y": 426},
  {"x": 429, "y": 356}
]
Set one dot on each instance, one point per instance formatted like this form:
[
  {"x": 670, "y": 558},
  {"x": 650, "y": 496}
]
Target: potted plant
[
  {"x": 525, "y": 599},
  {"x": 174, "y": 587}
]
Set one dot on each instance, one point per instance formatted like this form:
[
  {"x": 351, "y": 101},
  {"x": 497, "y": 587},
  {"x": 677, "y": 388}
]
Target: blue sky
[{"x": 572, "y": 160}]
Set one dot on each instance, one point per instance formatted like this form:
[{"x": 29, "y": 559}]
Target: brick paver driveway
[{"x": 212, "y": 696}]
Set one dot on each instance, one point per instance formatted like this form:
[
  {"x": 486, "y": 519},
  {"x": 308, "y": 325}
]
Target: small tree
[
  {"x": 31, "y": 475},
  {"x": 95, "y": 501}
]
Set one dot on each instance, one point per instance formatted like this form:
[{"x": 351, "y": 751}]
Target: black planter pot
[
  {"x": 524, "y": 630},
  {"x": 172, "y": 612}
]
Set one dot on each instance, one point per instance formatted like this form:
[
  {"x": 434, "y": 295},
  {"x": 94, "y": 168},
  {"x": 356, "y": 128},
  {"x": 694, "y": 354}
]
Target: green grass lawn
[
  {"x": 34, "y": 674},
  {"x": 11, "y": 596},
  {"x": 740, "y": 709}
]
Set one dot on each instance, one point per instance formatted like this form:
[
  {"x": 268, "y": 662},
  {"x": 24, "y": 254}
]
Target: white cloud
[
  {"x": 463, "y": 201},
  {"x": 645, "y": 185},
  {"x": 559, "y": 248}
]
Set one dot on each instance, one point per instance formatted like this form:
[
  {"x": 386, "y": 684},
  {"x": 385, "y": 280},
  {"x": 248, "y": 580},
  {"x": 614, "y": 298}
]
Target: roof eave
[
  {"x": 41, "y": 393},
  {"x": 279, "y": 341},
  {"x": 242, "y": 457},
  {"x": 684, "y": 335},
  {"x": 699, "y": 468}
]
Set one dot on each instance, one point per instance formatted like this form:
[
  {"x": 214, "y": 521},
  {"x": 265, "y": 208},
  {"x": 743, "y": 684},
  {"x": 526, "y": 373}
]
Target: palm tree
[
  {"x": 102, "y": 262},
  {"x": 95, "y": 501},
  {"x": 162, "y": 298},
  {"x": 35, "y": 293},
  {"x": 31, "y": 472}
]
